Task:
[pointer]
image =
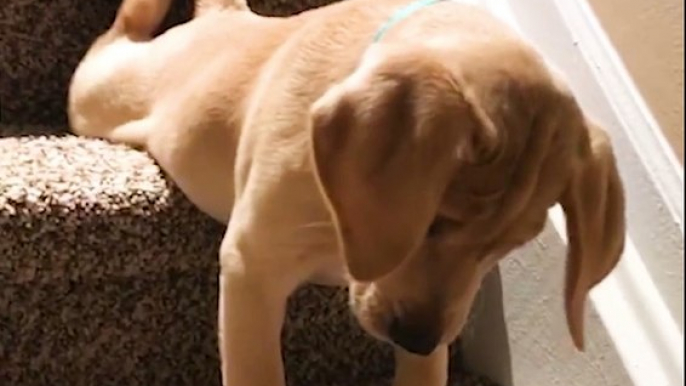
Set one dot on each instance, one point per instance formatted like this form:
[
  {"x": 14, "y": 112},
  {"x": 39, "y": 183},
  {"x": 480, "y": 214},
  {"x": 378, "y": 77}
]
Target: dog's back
[
  {"x": 185, "y": 95},
  {"x": 181, "y": 96},
  {"x": 121, "y": 79}
]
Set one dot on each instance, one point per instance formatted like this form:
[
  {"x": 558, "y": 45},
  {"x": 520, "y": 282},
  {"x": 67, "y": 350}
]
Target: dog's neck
[{"x": 402, "y": 14}]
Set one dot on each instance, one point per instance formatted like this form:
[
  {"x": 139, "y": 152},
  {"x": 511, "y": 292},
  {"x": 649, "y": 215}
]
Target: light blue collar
[{"x": 402, "y": 14}]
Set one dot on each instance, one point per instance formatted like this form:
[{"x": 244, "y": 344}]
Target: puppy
[{"x": 398, "y": 151}]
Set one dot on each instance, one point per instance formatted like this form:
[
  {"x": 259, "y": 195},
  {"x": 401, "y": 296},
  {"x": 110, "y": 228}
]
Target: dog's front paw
[{"x": 413, "y": 370}]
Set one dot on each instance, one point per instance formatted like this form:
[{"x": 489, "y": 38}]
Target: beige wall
[{"x": 649, "y": 35}]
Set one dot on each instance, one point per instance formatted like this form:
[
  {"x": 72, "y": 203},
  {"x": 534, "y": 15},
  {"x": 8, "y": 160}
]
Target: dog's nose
[{"x": 412, "y": 337}]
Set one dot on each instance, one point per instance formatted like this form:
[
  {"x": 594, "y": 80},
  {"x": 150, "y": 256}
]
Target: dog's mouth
[
  {"x": 365, "y": 308},
  {"x": 378, "y": 319},
  {"x": 417, "y": 342}
]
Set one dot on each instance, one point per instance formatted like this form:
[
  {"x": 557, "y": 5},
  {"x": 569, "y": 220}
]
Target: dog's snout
[{"x": 413, "y": 337}]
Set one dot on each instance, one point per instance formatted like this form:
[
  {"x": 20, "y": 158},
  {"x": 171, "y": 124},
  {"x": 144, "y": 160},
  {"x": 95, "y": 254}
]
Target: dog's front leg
[
  {"x": 413, "y": 370},
  {"x": 251, "y": 312}
]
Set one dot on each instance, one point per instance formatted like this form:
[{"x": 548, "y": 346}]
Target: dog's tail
[{"x": 139, "y": 19}]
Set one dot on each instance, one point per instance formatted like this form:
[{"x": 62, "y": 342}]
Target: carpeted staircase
[{"x": 107, "y": 273}]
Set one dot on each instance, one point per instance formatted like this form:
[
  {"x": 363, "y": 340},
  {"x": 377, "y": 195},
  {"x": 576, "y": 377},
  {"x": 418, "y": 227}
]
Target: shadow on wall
[{"x": 485, "y": 342}]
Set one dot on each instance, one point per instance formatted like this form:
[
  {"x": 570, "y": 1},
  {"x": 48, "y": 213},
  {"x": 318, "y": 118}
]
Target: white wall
[{"x": 649, "y": 36}]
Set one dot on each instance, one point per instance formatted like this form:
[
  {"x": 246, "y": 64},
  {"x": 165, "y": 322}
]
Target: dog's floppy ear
[
  {"x": 593, "y": 203},
  {"x": 385, "y": 143}
]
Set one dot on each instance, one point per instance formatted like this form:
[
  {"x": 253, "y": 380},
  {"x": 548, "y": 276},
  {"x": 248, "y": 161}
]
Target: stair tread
[{"x": 84, "y": 208}]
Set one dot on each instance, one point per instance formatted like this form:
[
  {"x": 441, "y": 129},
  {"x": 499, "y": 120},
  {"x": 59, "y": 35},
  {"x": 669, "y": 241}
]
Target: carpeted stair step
[{"x": 108, "y": 276}]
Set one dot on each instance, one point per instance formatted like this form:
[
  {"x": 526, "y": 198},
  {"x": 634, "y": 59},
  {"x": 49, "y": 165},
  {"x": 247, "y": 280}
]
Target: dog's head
[{"x": 437, "y": 164}]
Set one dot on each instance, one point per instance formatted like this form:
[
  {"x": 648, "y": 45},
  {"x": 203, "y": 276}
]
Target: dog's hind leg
[
  {"x": 204, "y": 6},
  {"x": 133, "y": 133}
]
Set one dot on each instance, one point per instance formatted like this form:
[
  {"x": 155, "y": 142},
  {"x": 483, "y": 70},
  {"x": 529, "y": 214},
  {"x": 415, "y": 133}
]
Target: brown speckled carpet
[{"x": 107, "y": 273}]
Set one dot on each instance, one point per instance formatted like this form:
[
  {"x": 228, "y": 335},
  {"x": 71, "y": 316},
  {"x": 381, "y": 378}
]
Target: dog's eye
[
  {"x": 442, "y": 224},
  {"x": 435, "y": 227}
]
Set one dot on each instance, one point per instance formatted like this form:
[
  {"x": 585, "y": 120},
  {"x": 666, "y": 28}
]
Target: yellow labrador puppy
[{"x": 398, "y": 147}]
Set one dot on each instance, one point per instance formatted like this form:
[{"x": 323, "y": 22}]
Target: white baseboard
[{"x": 637, "y": 320}]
